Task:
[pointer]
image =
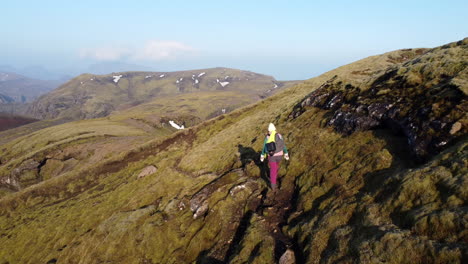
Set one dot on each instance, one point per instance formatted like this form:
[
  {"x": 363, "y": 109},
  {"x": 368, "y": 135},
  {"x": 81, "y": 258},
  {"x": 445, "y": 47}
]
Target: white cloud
[
  {"x": 159, "y": 50},
  {"x": 153, "y": 50}
]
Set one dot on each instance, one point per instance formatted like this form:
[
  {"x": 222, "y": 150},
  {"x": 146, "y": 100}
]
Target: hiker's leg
[
  {"x": 278, "y": 166},
  {"x": 273, "y": 172}
]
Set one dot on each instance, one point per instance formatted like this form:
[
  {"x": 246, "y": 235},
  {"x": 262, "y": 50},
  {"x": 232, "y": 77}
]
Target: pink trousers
[{"x": 274, "y": 167}]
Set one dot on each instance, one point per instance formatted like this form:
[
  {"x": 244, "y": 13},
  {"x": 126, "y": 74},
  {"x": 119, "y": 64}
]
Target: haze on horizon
[{"x": 288, "y": 40}]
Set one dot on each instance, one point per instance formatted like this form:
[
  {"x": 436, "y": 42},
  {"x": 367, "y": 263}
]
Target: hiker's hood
[{"x": 271, "y": 127}]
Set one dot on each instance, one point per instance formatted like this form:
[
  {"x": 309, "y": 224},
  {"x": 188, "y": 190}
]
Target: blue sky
[{"x": 286, "y": 39}]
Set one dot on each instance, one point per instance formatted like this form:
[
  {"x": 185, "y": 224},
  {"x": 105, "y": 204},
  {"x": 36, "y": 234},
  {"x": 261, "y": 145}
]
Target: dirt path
[{"x": 275, "y": 211}]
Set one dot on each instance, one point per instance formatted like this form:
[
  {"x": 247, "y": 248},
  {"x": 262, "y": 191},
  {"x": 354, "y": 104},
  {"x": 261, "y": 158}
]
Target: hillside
[
  {"x": 22, "y": 89},
  {"x": 356, "y": 190},
  {"x": 4, "y": 99},
  {"x": 13, "y": 108},
  {"x": 91, "y": 96},
  {"x": 8, "y": 121},
  {"x": 60, "y": 145}
]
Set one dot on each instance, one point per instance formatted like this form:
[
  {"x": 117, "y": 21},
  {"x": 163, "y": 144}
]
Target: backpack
[
  {"x": 271, "y": 147},
  {"x": 277, "y": 144}
]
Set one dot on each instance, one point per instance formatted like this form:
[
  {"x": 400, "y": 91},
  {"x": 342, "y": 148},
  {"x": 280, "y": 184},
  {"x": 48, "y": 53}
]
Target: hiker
[{"x": 275, "y": 148}]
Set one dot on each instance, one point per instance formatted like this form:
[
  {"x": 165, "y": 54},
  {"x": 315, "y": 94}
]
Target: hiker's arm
[
  {"x": 264, "y": 147},
  {"x": 285, "y": 151}
]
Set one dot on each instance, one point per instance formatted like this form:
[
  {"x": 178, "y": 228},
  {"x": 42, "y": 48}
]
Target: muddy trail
[{"x": 273, "y": 210}]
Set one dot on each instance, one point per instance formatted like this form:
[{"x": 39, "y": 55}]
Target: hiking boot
[{"x": 273, "y": 187}]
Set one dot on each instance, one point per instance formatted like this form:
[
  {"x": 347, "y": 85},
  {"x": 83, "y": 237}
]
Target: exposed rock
[
  {"x": 29, "y": 165},
  {"x": 147, "y": 171},
  {"x": 197, "y": 202},
  {"x": 287, "y": 257},
  {"x": 10, "y": 183},
  {"x": 237, "y": 189},
  {"x": 201, "y": 210},
  {"x": 417, "y": 99},
  {"x": 455, "y": 128},
  {"x": 25, "y": 174}
]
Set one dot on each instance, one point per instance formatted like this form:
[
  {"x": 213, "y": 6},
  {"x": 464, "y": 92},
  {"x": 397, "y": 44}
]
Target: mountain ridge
[
  {"x": 23, "y": 89},
  {"x": 79, "y": 99}
]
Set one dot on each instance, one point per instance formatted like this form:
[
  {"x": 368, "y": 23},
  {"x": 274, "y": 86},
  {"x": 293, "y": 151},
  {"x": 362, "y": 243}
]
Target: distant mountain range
[
  {"x": 41, "y": 73},
  {"x": 4, "y": 99},
  {"x": 35, "y": 72},
  {"x": 91, "y": 96},
  {"x": 19, "y": 88}
]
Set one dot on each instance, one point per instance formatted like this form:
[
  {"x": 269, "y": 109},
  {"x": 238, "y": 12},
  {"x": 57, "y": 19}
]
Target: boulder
[
  {"x": 147, "y": 171},
  {"x": 455, "y": 128},
  {"x": 287, "y": 257}
]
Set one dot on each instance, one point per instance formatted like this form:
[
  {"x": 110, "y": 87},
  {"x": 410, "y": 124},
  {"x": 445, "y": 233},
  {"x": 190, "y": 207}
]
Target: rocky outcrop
[
  {"x": 147, "y": 171},
  {"x": 27, "y": 173},
  {"x": 287, "y": 257},
  {"x": 422, "y": 99}
]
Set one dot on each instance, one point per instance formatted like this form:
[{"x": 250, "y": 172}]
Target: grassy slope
[
  {"x": 39, "y": 151},
  {"x": 200, "y": 105},
  {"x": 201, "y": 206},
  {"x": 203, "y": 105},
  {"x": 91, "y": 96},
  {"x": 64, "y": 147}
]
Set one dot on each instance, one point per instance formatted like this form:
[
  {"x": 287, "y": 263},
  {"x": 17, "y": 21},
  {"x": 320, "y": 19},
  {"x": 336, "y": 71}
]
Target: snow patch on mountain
[
  {"x": 117, "y": 78},
  {"x": 176, "y": 126}
]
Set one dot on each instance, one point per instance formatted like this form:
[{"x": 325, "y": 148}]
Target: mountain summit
[{"x": 90, "y": 96}]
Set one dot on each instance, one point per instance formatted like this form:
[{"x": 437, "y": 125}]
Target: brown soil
[{"x": 10, "y": 121}]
